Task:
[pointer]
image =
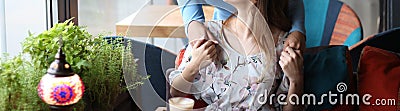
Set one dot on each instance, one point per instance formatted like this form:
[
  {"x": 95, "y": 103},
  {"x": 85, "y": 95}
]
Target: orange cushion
[{"x": 379, "y": 76}]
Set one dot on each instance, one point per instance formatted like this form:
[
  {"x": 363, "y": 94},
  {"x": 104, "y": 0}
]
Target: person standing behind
[{"x": 193, "y": 18}]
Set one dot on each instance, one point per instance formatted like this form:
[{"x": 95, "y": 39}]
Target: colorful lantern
[{"x": 60, "y": 87}]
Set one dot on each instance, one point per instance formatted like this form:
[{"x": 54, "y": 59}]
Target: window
[{"x": 21, "y": 17}]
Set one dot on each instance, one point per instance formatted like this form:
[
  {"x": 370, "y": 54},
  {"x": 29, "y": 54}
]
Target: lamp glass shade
[{"x": 60, "y": 91}]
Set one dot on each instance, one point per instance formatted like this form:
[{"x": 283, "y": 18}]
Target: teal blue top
[{"x": 192, "y": 10}]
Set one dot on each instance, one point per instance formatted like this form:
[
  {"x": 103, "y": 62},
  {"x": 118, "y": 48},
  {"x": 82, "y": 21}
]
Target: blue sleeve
[
  {"x": 191, "y": 10},
  {"x": 296, "y": 14},
  {"x": 221, "y": 14},
  {"x": 222, "y": 9}
]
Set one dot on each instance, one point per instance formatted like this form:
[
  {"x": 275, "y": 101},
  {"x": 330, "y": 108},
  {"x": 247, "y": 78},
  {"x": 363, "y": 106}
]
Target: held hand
[
  {"x": 291, "y": 62},
  {"x": 296, "y": 40},
  {"x": 203, "y": 53}
]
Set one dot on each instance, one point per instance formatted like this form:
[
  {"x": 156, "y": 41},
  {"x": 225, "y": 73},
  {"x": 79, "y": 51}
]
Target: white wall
[
  {"x": 2, "y": 27},
  {"x": 23, "y": 16}
]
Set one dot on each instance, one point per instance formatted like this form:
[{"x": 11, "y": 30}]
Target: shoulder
[
  {"x": 215, "y": 28},
  {"x": 217, "y": 24}
]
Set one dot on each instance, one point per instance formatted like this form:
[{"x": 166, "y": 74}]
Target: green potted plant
[
  {"x": 99, "y": 63},
  {"x": 18, "y": 82}
]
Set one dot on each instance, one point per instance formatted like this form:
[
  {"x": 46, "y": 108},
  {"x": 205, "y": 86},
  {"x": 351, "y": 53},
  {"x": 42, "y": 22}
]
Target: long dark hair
[{"x": 274, "y": 12}]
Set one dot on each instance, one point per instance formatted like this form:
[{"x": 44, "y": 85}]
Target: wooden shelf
[{"x": 156, "y": 21}]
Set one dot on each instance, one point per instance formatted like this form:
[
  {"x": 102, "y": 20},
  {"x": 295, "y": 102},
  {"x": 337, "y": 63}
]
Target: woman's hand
[
  {"x": 291, "y": 62},
  {"x": 203, "y": 53}
]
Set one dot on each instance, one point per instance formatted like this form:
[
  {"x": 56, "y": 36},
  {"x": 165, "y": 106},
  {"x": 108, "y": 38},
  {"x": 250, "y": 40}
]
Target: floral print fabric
[{"x": 235, "y": 81}]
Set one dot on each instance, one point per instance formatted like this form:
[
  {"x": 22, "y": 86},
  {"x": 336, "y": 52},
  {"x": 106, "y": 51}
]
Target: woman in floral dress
[{"x": 246, "y": 65}]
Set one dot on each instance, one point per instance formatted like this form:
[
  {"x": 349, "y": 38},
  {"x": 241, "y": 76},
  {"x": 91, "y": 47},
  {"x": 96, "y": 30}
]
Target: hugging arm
[
  {"x": 296, "y": 38},
  {"x": 291, "y": 60},
  {"x": 193, "y": 17},
  {"x": 296, "y": 14}
]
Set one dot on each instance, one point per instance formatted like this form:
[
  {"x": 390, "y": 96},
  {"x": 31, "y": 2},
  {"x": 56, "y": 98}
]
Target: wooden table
[{"x": 156, "y": 21}]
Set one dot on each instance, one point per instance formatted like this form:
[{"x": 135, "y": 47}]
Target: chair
[
  {"x": 326, "y": 67},
  {"x": 153, "y": 61},
  {"x": 331, "y": 22}
]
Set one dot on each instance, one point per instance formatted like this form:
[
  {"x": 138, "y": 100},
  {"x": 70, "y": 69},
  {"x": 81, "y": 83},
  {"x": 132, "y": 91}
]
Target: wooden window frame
[{"x": 61, "y": 10}]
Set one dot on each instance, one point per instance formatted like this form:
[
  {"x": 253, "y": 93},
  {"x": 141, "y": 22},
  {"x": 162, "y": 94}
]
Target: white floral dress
[{"x": 235, "y": 82}]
